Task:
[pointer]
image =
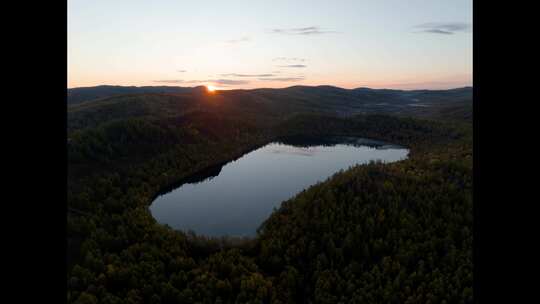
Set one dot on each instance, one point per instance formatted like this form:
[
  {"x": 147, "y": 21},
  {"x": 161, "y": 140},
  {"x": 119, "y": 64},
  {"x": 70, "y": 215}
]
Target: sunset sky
[{"x": 251, "y": 44}]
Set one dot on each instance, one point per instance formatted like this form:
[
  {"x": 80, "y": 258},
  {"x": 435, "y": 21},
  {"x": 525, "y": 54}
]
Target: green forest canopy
[{"x": 377, "y": 233}]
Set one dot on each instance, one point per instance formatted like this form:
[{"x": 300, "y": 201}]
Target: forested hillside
[
  {"x": 398, "y": 233},
  {"x": 377, "y": 233},
  {"x": 285, "y": 101},
  {"x": 79, "y": 95}
]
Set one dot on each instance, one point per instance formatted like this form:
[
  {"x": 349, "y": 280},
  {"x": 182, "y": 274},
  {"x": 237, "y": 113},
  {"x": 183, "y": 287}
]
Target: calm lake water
[{"x": 234, "y": 199}]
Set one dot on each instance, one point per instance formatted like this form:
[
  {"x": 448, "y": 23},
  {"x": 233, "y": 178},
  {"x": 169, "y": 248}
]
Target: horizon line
[{"x": 266, "y": 88}]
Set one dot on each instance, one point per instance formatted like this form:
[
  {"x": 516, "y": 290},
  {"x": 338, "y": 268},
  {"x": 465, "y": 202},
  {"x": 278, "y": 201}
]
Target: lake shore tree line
[{"x": 375, "y": 233}]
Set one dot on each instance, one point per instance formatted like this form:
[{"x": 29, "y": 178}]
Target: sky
[{"x": 415, "y": 44}]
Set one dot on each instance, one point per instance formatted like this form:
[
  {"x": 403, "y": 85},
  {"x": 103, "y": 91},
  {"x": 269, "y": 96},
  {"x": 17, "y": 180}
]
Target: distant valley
[{"x": 168, "y": 100}]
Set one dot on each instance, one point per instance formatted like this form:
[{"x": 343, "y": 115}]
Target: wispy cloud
[
  {"x": 288, "y": 59},
  {"x": 246, "y": 75},
  {"x": 293, "y": 66},
  {"x": 218, "y": 81},
  {"x": 234, "y": 41},
  {"x": 230, "y": 81},
  {"x": 310, "y": 30},
  {"x": 181, "y": 71},
  {"x": 448, "y": 28},
  {"x": 282, "y": 79}
]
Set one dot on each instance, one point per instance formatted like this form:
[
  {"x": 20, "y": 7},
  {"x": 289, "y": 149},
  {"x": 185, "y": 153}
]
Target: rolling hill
[
  {"x": 84, "y": 109},
  {"x": 82, "y": 94},
  {"x": 377, "y": 233}
]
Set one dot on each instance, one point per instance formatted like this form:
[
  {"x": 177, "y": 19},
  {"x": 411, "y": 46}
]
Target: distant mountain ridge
[
  {"x": 261, "y": 104},
  {"x": 82, "y": 94}
]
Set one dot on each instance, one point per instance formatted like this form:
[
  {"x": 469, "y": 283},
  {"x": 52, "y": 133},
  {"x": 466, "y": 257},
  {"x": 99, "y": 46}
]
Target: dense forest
[
  {"x": 261, "y": 102},
  {"x": 376, "y": 233}
]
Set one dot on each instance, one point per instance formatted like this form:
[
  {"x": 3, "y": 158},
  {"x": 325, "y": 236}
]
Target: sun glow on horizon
[{"x": 359, "y": 44}]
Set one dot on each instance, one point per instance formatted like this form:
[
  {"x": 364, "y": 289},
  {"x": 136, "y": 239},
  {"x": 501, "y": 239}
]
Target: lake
[{"x": 236, "y": 198}]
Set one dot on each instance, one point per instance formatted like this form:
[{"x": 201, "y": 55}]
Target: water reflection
[
  {"x": 233, "y": 199},
  {"x": 295, "y": 150}
]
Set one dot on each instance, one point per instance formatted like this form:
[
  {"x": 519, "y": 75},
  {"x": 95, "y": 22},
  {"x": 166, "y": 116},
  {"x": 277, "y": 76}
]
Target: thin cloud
[
  {"x": 246, "y": 75},
  {"x": 310, "y": 30},
  {"x": 218, "y": 81},
  {"x": 229, "y": 81},
  {"x": 181, "y": 71},
  {"x": 449, "y": 28},
  {"x": 170, "y": 81},
  {"x": 234, "y": 41},
  {"x": 293, "y": 66},
  {"x": 437, "y": 31},
  {"x": 288, "y": 59},
  {"x": 282, "y": 79}
]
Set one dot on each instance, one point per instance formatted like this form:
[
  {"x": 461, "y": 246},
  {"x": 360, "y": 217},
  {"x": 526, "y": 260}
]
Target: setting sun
[{"x": 246, "y": 151}]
